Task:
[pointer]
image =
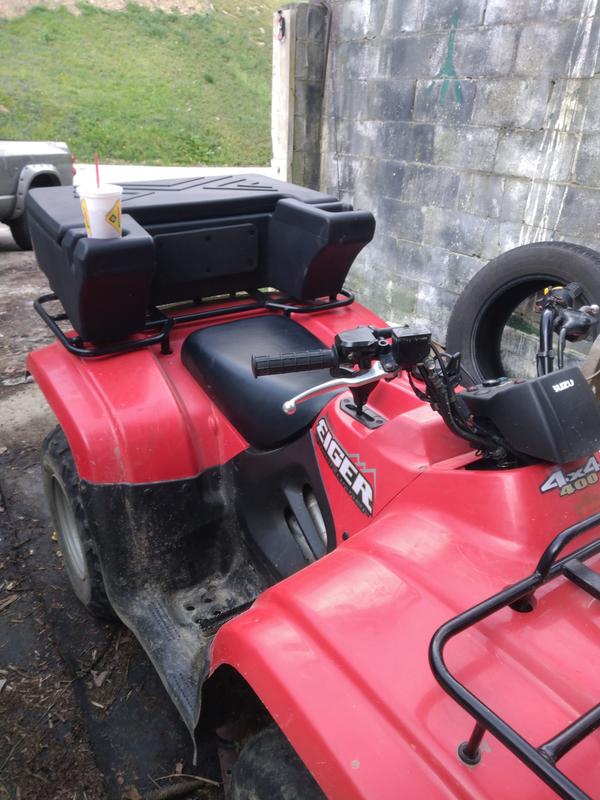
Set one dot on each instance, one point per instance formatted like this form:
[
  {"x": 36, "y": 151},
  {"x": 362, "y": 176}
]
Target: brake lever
[
  {"x": 576, "y": 324},
  {"x": 375, "y": 373},
  {"x": 573, "y": 326}
]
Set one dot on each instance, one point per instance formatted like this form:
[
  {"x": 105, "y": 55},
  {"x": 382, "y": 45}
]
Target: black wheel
[
  {"x": 494, "y": 324},
  {"x": 269, "y": 769},
  {"x": 62, "y": 486},
  {"x": 19, "y": 228}
]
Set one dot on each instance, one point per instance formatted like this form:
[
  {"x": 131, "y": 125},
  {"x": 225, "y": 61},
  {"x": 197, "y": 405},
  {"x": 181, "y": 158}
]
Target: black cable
[
  {"x": 468, "y": 374},
  {"x": 442, "y": 396},
  {"x": 441, "y": 363},
  {"x": 562, "y": 339},
  {"x": 421, "y": 395}
]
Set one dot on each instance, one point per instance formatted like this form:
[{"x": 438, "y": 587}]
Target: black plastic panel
[
  {"x": 208, "y": 252},
  {"x": 272, "y": 485},
  {"x": 103, "y": 284},
  {"x": 181, "y": 557},
  {"x": 554, "y": 418},
  {"x": 312, "y": 249},
  {"x": 187, "y": 257},
  {"x": 175, "y": 566}
]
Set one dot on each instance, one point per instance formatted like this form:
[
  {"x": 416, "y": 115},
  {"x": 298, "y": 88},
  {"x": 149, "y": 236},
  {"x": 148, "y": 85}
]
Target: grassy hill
[{"x": 141, "y": 85}]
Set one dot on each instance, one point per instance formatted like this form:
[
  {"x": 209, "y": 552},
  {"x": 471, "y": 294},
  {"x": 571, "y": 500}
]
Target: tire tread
[{"x": 57, "y": 457}]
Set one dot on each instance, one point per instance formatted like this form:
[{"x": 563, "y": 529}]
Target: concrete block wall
[
  {"x": 468, "y": 127},
  {"x": 311, "y": 29}
]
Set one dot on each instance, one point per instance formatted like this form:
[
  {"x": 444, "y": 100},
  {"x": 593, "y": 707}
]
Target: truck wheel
[
  {"x": 493, "y": 324},
  {"x": 62, "y": 487},
  {"x": 19, "y": 228},
  {"x": 269, "y": 769}
]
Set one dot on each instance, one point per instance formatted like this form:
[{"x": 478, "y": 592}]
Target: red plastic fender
[
  {"x": 338, "y": 653},
  {"x": 134, "y": 418}
]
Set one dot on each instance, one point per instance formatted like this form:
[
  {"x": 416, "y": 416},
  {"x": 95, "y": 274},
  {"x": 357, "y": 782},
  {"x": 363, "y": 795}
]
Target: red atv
[{"x": 291, "y": 503}]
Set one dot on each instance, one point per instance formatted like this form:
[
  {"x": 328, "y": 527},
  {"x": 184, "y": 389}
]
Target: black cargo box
[{"x": 187, "y": 239}]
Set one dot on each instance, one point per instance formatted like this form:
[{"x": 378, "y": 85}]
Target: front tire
[
  {"x": 19, "y": 228},
  {"x": 62, "y": 487},
  {"x": 482, "y": 311},
  {"x": 269, "y": 769}
]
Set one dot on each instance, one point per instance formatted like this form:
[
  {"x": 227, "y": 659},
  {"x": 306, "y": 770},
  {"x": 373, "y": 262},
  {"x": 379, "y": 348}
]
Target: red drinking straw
[{"x": 97, "y": 170}]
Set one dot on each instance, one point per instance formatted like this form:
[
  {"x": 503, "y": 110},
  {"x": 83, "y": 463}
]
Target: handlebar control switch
[
  {"x": 410, "y": 346},
  {"x": 357, "y": 346}
]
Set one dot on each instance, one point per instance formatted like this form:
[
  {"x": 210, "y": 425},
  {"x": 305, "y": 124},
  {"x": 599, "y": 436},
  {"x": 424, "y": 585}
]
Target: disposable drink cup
[{"x": 101, "y": 207}]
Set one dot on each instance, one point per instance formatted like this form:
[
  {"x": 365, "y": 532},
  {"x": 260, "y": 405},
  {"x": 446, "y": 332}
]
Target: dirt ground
[
  {"x": 16, "y": 8},
  {"x": 83, "y": 714}
]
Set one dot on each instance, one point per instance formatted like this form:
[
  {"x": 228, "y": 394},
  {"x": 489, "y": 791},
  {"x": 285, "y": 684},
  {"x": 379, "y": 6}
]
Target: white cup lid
[{"x": 104, "y": 190}]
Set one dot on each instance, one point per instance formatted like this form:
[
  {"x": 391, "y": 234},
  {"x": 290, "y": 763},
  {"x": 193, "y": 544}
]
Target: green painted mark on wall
[{"x": 447, "y": 71}]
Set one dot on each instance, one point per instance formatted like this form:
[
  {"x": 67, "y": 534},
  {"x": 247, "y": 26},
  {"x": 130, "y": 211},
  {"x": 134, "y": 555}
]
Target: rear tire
[
  {"x": 483, "y": 309},
  {"x": 62, "y": 487},
  {"x": 269, "y": 769},
  {"x": 19, "y": 228}
]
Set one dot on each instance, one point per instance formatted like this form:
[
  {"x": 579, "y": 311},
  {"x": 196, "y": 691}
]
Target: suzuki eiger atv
[{"x": 274, "y": 489}]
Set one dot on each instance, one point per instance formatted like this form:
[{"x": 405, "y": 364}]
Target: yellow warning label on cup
[
  {"x": 113, "y": 217},
  {"x": 86, "y": 216}
]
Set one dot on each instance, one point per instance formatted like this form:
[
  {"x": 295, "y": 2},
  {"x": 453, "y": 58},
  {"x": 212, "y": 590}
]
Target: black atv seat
[{"x": 219, "y": 358}]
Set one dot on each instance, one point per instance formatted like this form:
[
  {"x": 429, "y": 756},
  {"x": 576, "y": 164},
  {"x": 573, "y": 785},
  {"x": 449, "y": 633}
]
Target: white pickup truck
[{"x": 23, "y": 166}]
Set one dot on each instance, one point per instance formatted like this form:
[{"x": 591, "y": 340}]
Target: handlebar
[
  {"x": 293, "y": 362},
  {"x": 358, "y": 359}
]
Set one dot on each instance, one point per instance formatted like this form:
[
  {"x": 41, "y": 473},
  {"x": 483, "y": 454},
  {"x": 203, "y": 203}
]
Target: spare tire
[{"x": 479, "y": 318}]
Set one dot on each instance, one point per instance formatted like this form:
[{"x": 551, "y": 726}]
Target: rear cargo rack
[
  {"x": 542, "y": 760},
  {"x": 162, "y": 324}
]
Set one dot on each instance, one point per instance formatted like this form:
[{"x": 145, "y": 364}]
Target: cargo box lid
[{"x": 57, "y": 209}]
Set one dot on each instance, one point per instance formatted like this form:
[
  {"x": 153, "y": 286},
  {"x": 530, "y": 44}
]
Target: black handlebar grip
[{"x": 293, "y": 362}]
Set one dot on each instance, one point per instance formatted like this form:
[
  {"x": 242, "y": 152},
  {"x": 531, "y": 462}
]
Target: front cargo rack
[
  {"x": 158, "y": 324},
  {"x": 520, "y": 596}
]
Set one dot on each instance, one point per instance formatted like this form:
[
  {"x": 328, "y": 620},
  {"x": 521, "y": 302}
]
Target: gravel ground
[{"x": 84, "y": 716}]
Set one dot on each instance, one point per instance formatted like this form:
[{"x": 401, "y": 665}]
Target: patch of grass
[{"x": 142, "y": 86}]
